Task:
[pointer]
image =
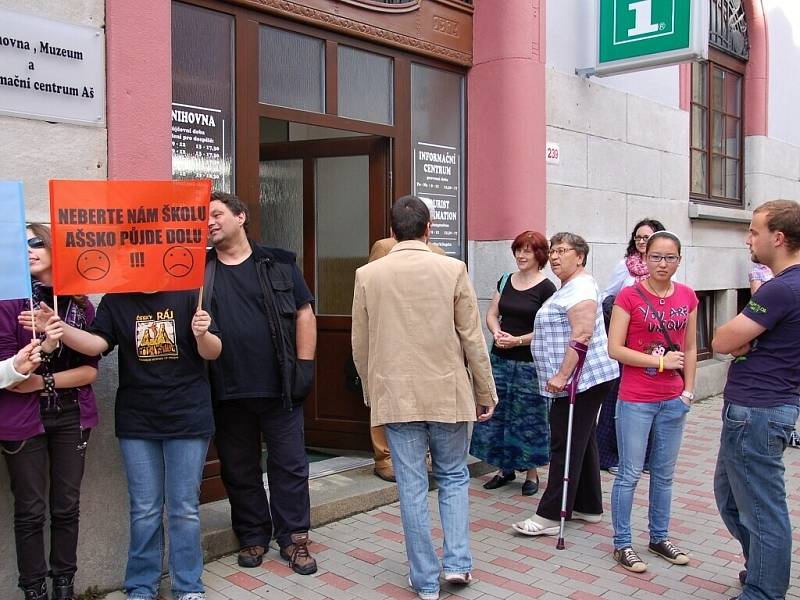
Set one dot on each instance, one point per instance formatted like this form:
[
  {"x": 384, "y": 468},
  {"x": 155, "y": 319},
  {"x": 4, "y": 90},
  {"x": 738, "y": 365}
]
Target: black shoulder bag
[{"x": 670, "y": 345}]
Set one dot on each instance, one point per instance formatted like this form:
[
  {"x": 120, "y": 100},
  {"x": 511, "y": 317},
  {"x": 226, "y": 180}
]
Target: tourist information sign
[{"x": 639, "y": 34}]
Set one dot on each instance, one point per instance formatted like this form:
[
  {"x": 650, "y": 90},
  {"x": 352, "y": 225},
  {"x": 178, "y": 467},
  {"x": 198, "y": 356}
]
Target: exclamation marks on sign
[{"x": 137, "y": 259}]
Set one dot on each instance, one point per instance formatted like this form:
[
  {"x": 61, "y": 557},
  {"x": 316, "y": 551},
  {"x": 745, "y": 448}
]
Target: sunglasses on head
[{"x": 36, "y": 243}]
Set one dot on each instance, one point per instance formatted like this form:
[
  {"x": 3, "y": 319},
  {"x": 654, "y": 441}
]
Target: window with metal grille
[{"x": 717, "y": 133}]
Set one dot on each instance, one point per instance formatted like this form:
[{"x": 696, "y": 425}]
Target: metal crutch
[{"x": 572, "y": 388}]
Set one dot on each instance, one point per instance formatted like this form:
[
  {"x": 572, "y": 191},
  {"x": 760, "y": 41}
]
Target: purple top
[
  {"x": 769, "y": 374},
  {"x": 19, "y": 413},
  {"x": 760, "y": 272}
]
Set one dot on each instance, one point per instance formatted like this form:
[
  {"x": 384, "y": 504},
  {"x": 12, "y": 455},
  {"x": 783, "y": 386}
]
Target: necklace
[{"x": 661, "y": 299}]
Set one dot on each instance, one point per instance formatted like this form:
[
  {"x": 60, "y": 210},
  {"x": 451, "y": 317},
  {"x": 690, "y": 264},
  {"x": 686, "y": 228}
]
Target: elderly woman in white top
[{"x": 572, "y": 313}]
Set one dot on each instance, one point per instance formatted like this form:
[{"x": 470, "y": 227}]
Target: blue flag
[{"x": 15, "y": 275}]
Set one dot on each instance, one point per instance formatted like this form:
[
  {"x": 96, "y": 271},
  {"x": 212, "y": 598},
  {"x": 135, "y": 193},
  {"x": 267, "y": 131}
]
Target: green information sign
[{"x": 638, "y": 34}]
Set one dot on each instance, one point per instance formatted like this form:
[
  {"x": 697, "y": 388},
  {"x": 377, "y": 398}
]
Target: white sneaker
[
  {"x": 423, "y": 595},
  {"x": 458, "y": 578}
]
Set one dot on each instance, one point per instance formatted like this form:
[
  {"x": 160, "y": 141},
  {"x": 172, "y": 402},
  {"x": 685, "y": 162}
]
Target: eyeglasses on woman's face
[
  {"x": 36, "y": 243},
  {"x": 671, "y": 259},
  {"x": 640, "y": 238},
  {"x": 561, "y": 251}
]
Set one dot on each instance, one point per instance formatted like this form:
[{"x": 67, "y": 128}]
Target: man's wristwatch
[{"x": 688, "y": 395}]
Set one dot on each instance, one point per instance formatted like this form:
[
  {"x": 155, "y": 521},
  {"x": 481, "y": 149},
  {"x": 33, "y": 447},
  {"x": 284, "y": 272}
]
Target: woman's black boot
[
  {"x": 37, "y": 591},
  {"x": 63, "y": 587}
]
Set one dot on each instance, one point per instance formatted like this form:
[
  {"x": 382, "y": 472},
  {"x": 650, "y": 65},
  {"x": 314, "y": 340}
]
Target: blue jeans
[
  {"x": 164, "y": 472},
  {"x": 448, "y": 443},
  {"x": 662, "y": 422},
  {"x": 751, "y": 493}
]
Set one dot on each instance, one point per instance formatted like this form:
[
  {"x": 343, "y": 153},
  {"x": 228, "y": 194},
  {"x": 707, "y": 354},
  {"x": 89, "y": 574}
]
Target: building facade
[{"x": 320, "y": 112}]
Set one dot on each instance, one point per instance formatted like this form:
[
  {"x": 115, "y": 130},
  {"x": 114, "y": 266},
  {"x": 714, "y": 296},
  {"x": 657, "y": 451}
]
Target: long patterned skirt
[{"x": 517, "y": 437}]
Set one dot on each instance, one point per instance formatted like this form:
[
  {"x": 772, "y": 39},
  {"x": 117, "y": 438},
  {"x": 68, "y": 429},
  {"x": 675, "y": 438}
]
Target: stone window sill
[{"x": 719, "y": 213}]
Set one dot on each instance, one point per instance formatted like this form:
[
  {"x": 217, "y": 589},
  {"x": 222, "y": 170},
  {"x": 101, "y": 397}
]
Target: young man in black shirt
[{"x": 263, "y": 310}]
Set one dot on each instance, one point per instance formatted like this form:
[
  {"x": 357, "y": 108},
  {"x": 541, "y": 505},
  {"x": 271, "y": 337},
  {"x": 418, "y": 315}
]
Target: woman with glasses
[
  {"x": 629, "y": 270},
  {"x": 573, "y": 313},
  {"x": 517, "y": 437},
  {"x": 653, "y": 334},
  {"x": 44, "y": 427}
]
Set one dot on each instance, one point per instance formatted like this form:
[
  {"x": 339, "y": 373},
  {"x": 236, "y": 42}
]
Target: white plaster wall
[
  {"x": 624, "y": 158},
  {"x": 772, "y": 170},
  {"x": 783, "y": 33},
  {"x": 35, "y": 151},
  {"x": 570, "y": 44}
]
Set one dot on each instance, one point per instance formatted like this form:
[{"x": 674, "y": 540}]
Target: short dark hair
[
  {"x": 652, "y": 224},
  {"x": 536, "y": 242},
  {"x": 664, "y": 234},
  {"x": 410, "y": 217},
  {"x": 783, "y": 216},
  {"x": 574, "y": 240},
  {"x": 236, "y": 206}
]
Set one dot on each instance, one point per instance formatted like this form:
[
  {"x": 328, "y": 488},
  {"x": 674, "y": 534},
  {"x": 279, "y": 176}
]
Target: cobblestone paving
[{"x": 362, "y": 557}]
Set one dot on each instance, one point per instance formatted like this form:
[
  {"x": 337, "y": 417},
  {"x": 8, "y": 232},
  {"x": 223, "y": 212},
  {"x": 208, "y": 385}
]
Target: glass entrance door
[{"x": 326, "y": 200}]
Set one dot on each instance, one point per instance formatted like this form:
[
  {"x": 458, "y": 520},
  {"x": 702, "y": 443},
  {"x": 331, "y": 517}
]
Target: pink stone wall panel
[
  {"x": 508, "y": 29},
  {"x": 506, "y": 141},
  {"x": 756, "y": 99},
  {"x": 139, "y": 80},
  {"x": 507, "y": 120}
]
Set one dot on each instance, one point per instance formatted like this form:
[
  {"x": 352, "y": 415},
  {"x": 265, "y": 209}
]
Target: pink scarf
[{"x": 637, "y": 267}]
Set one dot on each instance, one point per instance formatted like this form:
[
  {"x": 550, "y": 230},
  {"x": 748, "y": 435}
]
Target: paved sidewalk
[{"x": 363, "y": 556}]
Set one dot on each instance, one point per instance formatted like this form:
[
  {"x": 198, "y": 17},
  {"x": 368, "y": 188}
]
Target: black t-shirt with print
[
  {"x": 163, "y": 388},
  {"x": 249, "y": 363}
]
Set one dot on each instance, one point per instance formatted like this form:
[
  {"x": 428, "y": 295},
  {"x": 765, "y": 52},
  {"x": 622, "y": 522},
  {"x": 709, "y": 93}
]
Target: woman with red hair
[{"x": 517, "y": 437}]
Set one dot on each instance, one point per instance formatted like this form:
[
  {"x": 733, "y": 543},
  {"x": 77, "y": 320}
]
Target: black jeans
[
  {"x": 255, "y": 519},
  {"x": 584, "y": 493},
  {"x": 60, "y": 454}
]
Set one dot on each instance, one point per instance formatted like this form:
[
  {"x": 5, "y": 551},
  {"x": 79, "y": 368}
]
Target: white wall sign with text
[
  {"x": 51, "y": 70},
  {"x": 552, "y": 153}
]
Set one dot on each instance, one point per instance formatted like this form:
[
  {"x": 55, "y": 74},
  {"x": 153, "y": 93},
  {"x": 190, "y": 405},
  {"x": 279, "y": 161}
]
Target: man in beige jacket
[
  {"x": 380, "y": 447},
  {"x": 415, "y": 323}
]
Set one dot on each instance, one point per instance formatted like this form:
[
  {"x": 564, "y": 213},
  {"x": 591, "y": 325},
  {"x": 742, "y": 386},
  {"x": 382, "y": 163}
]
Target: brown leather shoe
[
  {"x": 251, "y": 556},
  {"x": 298, "y": 556},
  {"x": 385, "y": 473}
]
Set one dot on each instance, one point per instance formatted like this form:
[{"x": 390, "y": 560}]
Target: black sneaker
[
  {"x": 530, "y": 487},
  {"x": 669, "y": 552},
  {"x": 629, "y": 560}
]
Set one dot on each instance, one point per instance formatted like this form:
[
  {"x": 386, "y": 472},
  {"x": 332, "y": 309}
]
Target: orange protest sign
[{"x": 128, "y": 236}]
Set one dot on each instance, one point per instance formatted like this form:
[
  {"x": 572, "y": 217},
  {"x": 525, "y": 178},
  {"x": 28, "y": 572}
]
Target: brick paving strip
[{"x": 362, "y": 557}]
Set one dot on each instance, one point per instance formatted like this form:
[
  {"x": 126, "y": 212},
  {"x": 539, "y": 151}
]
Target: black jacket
[{"x": 274, "y": 267}]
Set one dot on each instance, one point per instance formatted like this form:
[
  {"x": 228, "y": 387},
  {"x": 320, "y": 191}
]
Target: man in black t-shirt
[{"x": 262, "y": 307}]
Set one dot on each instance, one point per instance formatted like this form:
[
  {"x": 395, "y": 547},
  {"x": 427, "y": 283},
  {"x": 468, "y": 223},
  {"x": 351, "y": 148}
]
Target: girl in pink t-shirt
[{"x": 653, "y": 334}]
